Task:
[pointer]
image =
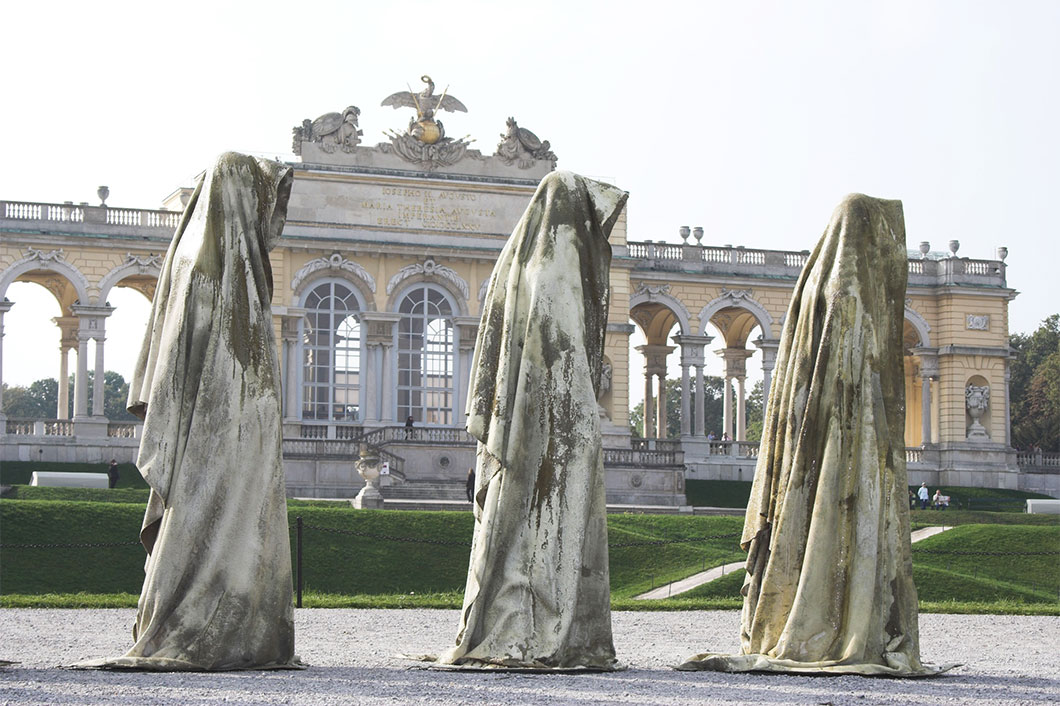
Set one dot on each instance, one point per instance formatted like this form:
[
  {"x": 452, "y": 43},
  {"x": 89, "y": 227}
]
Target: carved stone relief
[
  {"x": 332, "y": 130},
  {"x": 430, "y": 268},
  {"x": 978, "y": 322},
  {"x": 335, "y": 263},
  {"x": 521, "y": 147}
]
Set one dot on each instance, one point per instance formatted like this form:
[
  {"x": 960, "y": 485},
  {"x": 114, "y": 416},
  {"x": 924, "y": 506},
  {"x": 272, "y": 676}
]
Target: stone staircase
[{"x": 426, "y": 496}]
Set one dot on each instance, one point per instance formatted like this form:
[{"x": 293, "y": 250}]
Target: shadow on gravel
[{"x": 405, "y": 683}]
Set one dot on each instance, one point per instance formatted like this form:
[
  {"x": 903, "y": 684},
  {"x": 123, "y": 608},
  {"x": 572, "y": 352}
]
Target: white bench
[
  {"x": 69, "y": 480},
  {"x": 1039, "y": 506}
]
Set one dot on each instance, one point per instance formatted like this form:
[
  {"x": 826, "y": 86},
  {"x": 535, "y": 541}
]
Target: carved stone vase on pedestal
[
  {"x": 977, "y": 399},
  {"x": 368, "y": 466}
]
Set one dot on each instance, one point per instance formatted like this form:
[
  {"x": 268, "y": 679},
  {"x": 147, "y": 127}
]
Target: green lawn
[{"x": 374, "y": 558}]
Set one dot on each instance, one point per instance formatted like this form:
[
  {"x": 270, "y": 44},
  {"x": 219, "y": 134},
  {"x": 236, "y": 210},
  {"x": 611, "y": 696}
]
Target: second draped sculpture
[{"x": 538, "y": 593}]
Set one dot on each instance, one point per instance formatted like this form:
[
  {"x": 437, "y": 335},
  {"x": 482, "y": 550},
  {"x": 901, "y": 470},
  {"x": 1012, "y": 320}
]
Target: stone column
[
  {"x": 289, "y": 321},
  {"x": 741, "y": 410},
  {"x": 467, "y": 334},
  {"x": 386, "y": 397},
  {"x": 726, "y": 400},
  {"x": 686, "y": 407},
  {"x": 648, "y": 429},
  {"x": 661, "y": 416},
  {"x": 92, "y": 322},
  {"x": 735, "y": 369},
  {"x": 654, "y": 366},
  {"x": 378, "y": 332},
  {"x": 691, "y": 356},
  {"x": 929, "y": 370},
  {"x": 372, "y": 383},
  {"x": 769, "y": 347},
  {"x": 81, "y": 377},
  {"x": 701, "y": 401},
  {"x": 67, "y": 341},
  {"x": 5, "y": 306}
]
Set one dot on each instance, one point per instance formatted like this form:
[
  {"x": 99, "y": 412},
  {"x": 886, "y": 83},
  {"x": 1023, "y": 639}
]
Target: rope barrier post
[{"x": 298, "y": 542}]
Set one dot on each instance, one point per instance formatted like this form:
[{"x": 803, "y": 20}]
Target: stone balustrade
[
  {"x": 77, "y": 219},
  {"x": 752, "y": 262}
]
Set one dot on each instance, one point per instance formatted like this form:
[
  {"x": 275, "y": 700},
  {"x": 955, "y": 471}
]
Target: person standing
[
  {"x": 469, "y": 485},
  {"x": 923, "y": 495},
  {"x": 112, "y": 474}
]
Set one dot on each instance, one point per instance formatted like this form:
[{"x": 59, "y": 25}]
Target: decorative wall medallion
[
  {"x": 978, "y": 322},
  {"x": 636, "y": 480}
]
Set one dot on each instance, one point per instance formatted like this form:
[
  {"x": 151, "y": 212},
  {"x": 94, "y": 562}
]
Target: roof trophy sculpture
[
  {"x": 522, "y": 147},
  {"x": 829, "y": 584},
  {"x": 331, "y": 130},
  {"x": 424, "y": 142}
]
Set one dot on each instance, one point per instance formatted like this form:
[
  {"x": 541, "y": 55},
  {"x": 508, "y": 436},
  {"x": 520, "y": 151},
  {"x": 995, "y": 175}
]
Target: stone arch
[
  {"x": 52, "y": 261},
  {"x": 646, "y": 293},
  {"x": 920, "y": 325},
  {"x": 338, "y": 268},
  {"x": 140, "y": 266},
  {"x": 737, "y": 299}
]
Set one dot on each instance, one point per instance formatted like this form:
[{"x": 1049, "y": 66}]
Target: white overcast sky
[{"x": 751, "y": 119}]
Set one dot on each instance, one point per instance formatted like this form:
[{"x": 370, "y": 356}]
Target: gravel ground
[{"x": 353, "y": 658}]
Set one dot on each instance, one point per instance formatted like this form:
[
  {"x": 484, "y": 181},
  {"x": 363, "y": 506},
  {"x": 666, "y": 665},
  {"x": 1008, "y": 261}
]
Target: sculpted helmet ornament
[
  {"x": 520, "y": 146},
  {"x": 424, "y": 142},
  {"x": 331, "y": 130}
]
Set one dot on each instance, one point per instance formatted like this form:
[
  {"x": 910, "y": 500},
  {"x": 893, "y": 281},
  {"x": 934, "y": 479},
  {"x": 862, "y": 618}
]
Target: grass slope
[{"x": 943, "y": 578}]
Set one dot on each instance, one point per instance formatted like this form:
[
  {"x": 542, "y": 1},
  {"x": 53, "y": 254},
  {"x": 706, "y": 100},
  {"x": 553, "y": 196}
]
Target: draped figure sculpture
[
  {"x": 538, "y": 594},
  {"x": 217, "y": 590},
  {"x": 829, "y": 585}
]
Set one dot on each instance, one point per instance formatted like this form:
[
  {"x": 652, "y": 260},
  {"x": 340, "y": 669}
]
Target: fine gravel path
[{"x": 352, "y": 653}]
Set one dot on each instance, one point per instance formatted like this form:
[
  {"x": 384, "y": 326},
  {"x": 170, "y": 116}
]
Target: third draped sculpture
[
  {"x": 829, "y": 584},
  {"x": 538, "y": 593}
]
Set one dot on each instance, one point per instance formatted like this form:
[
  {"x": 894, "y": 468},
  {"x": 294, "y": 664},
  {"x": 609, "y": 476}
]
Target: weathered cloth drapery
[
  {"x": 217, "y": 591},
  {"x": 829, "y": 584},
  {"x": 537, "y": 593}
]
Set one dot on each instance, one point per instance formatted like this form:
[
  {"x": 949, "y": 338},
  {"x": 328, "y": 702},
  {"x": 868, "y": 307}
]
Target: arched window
[
  {"x": 426, "y": 357},
  {"x": 331, "y": 354}
]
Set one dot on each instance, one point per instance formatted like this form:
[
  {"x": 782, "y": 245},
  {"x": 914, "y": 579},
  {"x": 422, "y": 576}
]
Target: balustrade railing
[
  {"x": 120, "y": 430},
  {"x": 70, "y": 213},
  {"x": 914, "y": 454},
  {"x": 1038, "y": 459},
  {"x": 668, "y": 256}
]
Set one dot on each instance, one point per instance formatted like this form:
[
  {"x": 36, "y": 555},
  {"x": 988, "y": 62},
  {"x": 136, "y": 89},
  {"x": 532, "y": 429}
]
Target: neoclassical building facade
[{"x": 379, "y": 280}]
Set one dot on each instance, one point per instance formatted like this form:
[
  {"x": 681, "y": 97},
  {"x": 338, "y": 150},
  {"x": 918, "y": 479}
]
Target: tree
[
  {"x": 41, "y": 399},
  {"x": 1034, "y": 387}
]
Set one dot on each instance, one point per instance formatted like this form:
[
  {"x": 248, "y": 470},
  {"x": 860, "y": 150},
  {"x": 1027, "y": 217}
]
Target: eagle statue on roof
[{"x": 424, "y": 127}]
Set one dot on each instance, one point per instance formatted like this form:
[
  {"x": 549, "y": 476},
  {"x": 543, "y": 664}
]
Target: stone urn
[
  {"x": 368, "y": 468},
  {"x": 977, "y": 399}
]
